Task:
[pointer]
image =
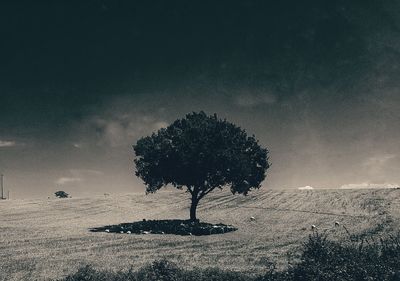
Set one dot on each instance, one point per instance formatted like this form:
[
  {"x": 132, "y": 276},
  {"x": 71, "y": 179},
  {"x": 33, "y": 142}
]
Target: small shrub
[
  {"x": 61, "y": 194},
  {"x": 214, "y": 274},
  {"x": 162, "y": 270},
  {"x": 88, "y": 273}
]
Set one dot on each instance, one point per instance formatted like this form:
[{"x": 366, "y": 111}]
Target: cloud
[
  {"x": 379, "y": 160},
  {"x": 82, "y": 173},
  {"x": 378, "y": 167},
  {"x": 160, "y": 124},
  {"x": 251, "y": 100},
  {"x": 122, "y": 129},
  {"x": 78, "y": 176},
  {"x": 4, "y": 143},
  {"x": 65, "y": 180},
  {"x": 77, "y": 145}
]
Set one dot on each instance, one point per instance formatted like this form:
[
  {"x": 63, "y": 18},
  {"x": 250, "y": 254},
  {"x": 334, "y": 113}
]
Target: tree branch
[
  {"x": 190, "y": 190},
  {"x": 202, "y": 194}
]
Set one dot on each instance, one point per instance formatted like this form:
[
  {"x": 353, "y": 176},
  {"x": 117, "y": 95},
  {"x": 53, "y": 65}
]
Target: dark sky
[{"x": 317, "y": 82}]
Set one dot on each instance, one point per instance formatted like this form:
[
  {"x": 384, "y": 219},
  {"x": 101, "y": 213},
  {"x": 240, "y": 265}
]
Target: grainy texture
[{"x": 46, "y": 239}]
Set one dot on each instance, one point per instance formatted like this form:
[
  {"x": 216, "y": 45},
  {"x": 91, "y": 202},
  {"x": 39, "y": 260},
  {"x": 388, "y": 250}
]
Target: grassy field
[{"x": 42, "y": 239}]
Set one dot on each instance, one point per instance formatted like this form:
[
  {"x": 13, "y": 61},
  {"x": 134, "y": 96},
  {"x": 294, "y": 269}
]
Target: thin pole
[{"x": 2, "y": 191}]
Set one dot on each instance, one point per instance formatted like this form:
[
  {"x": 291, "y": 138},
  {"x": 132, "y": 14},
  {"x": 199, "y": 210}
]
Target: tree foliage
[{"x": 201, "y": 153}]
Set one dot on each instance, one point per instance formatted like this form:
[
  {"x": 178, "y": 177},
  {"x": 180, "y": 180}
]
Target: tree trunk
[{"x": 193, "y": 208}]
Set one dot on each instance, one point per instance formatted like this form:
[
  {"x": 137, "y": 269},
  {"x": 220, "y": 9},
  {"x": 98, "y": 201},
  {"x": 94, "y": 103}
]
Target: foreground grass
[{"x": 321, "y": 259}]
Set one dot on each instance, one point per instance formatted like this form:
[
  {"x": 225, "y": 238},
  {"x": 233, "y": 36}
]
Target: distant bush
[
  {"x": 61, "y": 194},
  {"x": 320, "y": 260}
]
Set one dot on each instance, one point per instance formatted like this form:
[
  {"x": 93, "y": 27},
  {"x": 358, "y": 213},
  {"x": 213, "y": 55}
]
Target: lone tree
[
  {"x": 201, "y": 153},
  {"x": 61, "y": 194}
]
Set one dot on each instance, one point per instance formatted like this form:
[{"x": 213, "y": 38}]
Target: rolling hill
[{"x": 50, "y": 238}]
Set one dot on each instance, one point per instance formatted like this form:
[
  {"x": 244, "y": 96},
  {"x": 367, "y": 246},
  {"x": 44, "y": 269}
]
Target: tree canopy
[{"x": 201, "y": 153}]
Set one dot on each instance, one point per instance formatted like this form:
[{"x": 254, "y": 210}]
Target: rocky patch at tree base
[{"x": 177, "y": 227}]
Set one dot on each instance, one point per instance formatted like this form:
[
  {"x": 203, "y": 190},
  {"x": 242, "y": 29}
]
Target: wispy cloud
[
  {"x": 379, "y": 160},
  {"x": 7, "y": 143},
  {"x": 82, "y": 173},
  {"x": 378, "y": 165},
  {"x": 159, "y": 125},
  {"x": 123, "y": 129},
  {"x": 65, "y": 180},
  {"x": 78, "y": 176},
  {"x": 77, "y": 145}
]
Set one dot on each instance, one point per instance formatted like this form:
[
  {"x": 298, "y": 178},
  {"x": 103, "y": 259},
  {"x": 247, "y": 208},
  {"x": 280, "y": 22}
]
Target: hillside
[{"x": 50, "y": 238}]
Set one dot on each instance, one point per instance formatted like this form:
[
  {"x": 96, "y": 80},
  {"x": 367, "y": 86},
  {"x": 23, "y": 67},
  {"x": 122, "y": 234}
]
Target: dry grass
[{"x": 42, "y": 239}]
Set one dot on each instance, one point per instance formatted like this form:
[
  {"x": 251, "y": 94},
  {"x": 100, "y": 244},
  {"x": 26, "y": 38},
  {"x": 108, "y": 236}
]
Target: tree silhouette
[{"x": 201, "y": 153}]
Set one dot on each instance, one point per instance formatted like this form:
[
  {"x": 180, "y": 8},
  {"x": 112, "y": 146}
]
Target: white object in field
[
  {"x": 121, "y": 231},
  {"x": 107, "y": 230},
  {"x": 146, "y": 232},
  {"x": 337, "y": 223},
  {"x": 252, "y": 218},
  {"x": 313, "y": 226},
  {"x": 307, "y": 187},
  {"x": 128, "y": 232}
]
